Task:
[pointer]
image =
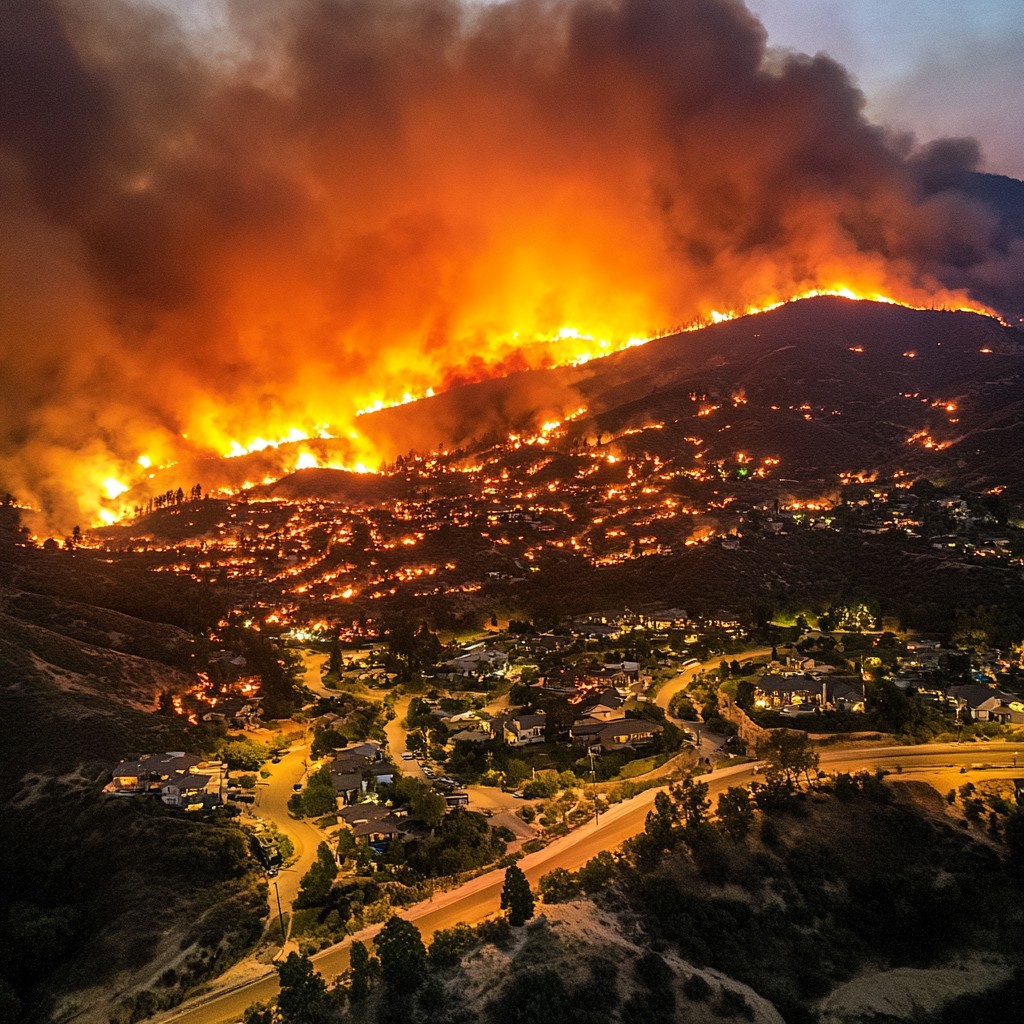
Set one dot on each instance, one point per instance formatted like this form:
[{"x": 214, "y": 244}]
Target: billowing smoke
[{"x": 209, "y": 237}]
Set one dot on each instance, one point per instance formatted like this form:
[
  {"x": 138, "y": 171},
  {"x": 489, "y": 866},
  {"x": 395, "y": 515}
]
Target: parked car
[
  {"x": 408, "y": 755},
  {"x": 297, "y": 787}
]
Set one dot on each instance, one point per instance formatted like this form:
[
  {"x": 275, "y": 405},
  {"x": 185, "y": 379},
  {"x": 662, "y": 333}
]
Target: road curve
[{"x": 687, "y": 676}]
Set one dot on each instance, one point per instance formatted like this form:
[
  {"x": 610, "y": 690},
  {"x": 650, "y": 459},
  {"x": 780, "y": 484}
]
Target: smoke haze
[{"x": 208, "y": 238}]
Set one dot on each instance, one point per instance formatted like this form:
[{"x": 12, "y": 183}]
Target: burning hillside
[{"x": 219, "y": 238}]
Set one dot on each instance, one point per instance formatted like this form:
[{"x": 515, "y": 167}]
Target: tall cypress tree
[{"x": 517, "y": 897}]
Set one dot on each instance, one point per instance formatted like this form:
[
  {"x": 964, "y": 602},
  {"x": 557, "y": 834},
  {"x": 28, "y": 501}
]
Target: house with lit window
[
  {"x": 178, "y": 779},
  {"x": 518, "y": 730}
]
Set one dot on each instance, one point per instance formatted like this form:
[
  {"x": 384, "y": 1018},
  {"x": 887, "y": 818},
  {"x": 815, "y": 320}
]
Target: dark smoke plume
[{"x": 227, "y": 233}]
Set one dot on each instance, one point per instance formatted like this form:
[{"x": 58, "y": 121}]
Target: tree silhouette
[
  {"x": 517, "y": 897},
  {"x": 403, "y": 957},
  {"x": 303, "y": 998}
]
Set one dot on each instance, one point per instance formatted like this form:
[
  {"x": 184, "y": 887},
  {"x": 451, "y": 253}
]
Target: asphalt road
[
  {"x": 273, "y": 806},
  {"x": 687, "y": 676},
  {"x": 479, "y": 898}
]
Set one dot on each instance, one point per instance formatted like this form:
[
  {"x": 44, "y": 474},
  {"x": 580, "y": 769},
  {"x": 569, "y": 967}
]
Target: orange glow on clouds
[{"x": 260, "y": 250}]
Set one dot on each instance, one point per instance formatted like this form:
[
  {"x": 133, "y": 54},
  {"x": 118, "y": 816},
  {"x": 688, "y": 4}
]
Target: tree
[
  {"x": 449, "y": 944},
  {"x": 558, "y": 886},
  {"x": 428, "y": 805},
  {"x": 403, "y": 957},
  {"x": 362, "y": 970},
  {"x": 317, "y": 881},
  {"x": 334, "y": 659},
  {"x": 517, "y": 897},
  {"x": 303, "y": 998},
  {"x": 245, "y": 755},
  {"x": 597, "y": 872},
  {"x": 736, "y": 812},
  {"x": 788, "y": 753},
  {"x": 258, "y": 1013},
  {"x": 319, "y": 798},
  {"x": 660, "y": 823},
  {"x": 691, "y": 802}
]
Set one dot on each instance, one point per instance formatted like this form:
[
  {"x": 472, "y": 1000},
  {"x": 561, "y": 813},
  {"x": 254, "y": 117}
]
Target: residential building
[{"x": 179, "y": 779}]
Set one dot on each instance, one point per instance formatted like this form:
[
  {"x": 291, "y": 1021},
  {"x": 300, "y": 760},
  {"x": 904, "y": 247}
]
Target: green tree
[
  {"x": 449, "y": 944},
  {"x": 787, "y": 753},
  {"x": 403, "y": 958},
  {"x": 10, "y": 1005},
  {"x": 258, "y": 1013},
  {"x": 691, "y": 801},
  {"x": 317, "y": 881},
  {"x": 428, "y": 805},
  {"x": 319, "y": 798},
  {"x": 558, "y": 886},
  {"x": 303, "y": 998},
  {"x": 736, "y": 811},
  {"x": 517, "y": 896},
  {"x": 533, "y": 997},
  {"x": 660, "y": 823},
  {"x": 597, "y": 872},
  {"x": 334, "y": 664},
  {"x": 362, "y": 970},
  {"x": 244, "y": 755}
]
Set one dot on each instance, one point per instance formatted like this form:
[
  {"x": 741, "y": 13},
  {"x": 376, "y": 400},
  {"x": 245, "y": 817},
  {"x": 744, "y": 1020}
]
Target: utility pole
[
  {"x": 280, "y": 914},
  {"x": 593, "y": 776}
]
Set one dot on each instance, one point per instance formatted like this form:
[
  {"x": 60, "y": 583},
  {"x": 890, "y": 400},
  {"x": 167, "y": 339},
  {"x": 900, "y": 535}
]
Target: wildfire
[{"x": 567, "y": 345}]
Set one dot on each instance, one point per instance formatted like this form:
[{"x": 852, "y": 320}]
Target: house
[
  {"x": 1003, "y": 713},
  {"x": 603, "y": 706},
  {"x": 669, "y": 618},
  {"x": 626, "y": 733},
  {"x": 468, "y": 736},
  {"x": 981, "y": 700},
  {"x": 190, "y": 792},
  {"x": 567, "y": 682},
  {"x": 236, "y": 712},
  {"x": 843, "y": 693},
  {"x": 358, "y": 770},
  {"x": 376, "y": 825},
  {"x": 782, "y": 691},
  {"x": 519, "y": 730},
  {"x": 179, "y": 779},
  {"x": 480, "y": 662},
  {"x": 587, "y": 730}
]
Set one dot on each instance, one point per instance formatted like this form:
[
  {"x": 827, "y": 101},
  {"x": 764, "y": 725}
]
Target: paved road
[
  {"x": 479, "y": 898},
  {"x": 687, "y": 676},
  {"x": 273, "y": 806},
  {"x": 312, "y": 666}
]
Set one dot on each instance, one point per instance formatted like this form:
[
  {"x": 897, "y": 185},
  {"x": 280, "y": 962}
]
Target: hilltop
[{"x": 828, "y": 386}]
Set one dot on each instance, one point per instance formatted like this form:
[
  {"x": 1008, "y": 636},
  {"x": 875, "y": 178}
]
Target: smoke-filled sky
[
  {"x": 937, "y": 67},
  {"x": 256, "y": 219}
]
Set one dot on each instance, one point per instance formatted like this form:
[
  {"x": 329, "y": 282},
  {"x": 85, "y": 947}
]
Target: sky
[
  {"x": 936, "y": 67},
  {"x": 932, "y": 67}
]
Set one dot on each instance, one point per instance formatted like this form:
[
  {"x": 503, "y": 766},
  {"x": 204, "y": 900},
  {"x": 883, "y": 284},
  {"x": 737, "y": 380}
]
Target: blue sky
[{"x": 937, "y": 67}]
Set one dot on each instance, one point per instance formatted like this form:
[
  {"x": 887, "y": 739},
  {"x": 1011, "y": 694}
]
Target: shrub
[
  {"x": 450, "y": 944},
  {"x": 696, "y": 989},
  {"x": 558, "y": 886}
]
